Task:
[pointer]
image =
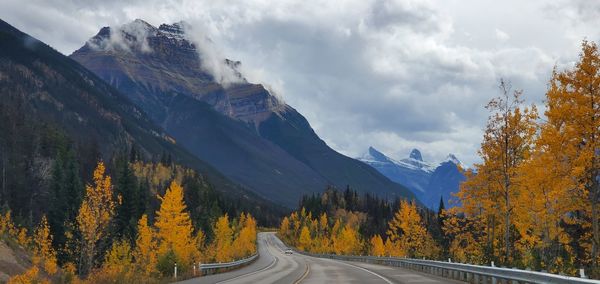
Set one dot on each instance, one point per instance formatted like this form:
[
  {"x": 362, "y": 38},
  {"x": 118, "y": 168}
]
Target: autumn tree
[
  {"x": 117, "y": 267},
  {"x": 408, "y": 234},
  {"x": 571, "y": 134},
  {"x": 245, "y": 242},
  {"x": 175, "y": 230},
  {"x": 507, "y": 143},
  {"x": 223, "y": 240},
  {"x": 44, "y": 254},
  {"x": 145, "y": 252},
  {"x": 377, "y": 247},
  {"x": 304, "y": 241},
  {"x": 94, "y": 217}
]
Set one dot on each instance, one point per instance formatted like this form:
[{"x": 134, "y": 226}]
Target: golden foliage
[
  {"x": 408, "y": 234},
  {"x": 145, "y": 252},
  {"x": 377, "y": 247},
  {"x": 223, "y": 240},
  {"x": 31, "y": 276},
  {"x": 304, "y": 241},
  {"x": 95, "y": 215},
  {"x": 44, "y": 254},
  {"x": 175, "y": 230}
]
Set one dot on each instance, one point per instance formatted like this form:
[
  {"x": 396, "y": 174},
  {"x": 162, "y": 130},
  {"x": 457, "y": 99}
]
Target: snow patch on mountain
[{"x": 429, "y": 181}]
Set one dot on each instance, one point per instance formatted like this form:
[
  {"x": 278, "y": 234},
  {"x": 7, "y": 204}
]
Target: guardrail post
[
  {"x": 175, "y": 271},
  {"x": 582, "y": 273},
  {"x": 476, "y": 278}
]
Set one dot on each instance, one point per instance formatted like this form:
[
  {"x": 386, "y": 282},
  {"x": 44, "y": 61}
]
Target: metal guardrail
[
  {"x": 463, "y": 272},
  {"x": 210, "y": 268}
]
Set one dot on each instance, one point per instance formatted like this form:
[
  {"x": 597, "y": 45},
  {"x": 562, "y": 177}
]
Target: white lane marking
[
  {"x": 275, "y": 260},
  {"x": 364, "y": 269}
]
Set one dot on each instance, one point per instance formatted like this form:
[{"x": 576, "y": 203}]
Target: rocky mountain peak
[
  {"x": 376, "y": 155},
  {"x": 452, "y": 158},
  {"x": 167, "y": 60},
  {"x": 416, "y": 154}
]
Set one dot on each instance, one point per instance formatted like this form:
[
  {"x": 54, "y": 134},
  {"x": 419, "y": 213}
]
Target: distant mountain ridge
[
  {"x": 429, "y": 182},
  {"x": 41, "y": 88},
  {"x": 238, "y": 127}
]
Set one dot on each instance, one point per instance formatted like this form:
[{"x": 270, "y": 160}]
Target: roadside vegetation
[
  {"x": 533, "y": 201},
  {"x": 95, "y": 251}
]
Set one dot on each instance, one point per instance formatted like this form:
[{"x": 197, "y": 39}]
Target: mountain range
[
  {"x": 46, "y": 95},
  {"x": 241, "y": 129},
  {"x": 429, "y": 182}
]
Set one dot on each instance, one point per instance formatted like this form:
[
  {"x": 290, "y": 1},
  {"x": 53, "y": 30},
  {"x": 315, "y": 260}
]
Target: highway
[{"x": 273, "y": 266}]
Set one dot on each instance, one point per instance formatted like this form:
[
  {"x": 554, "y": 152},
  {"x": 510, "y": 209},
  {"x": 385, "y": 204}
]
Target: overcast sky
[{"x": 396, "y": 75}]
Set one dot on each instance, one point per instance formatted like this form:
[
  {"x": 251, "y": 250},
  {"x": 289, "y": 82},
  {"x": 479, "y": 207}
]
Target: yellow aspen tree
[
  {"x": 479, "y": 196},
  {"x": 200, "y": 240},
  {"x": 377, "y": 247},
  {"x": 545, "y": 203},
  {"x": 573, "y": 114},
  {"x": 117, "y": 266},
  {"x": 468, "y": 236},
  {"x": 323, "y": 224},
  {"x": 347, "y": 242},
  {"x": 245, "y": 243},
  {"x": 391, "y": 249},
  {"x": 175, "y": 230},
  {"x": 284, "y": 229},
  {"x": 95, "y": 214},
  {"x": 507, "y": 143},
  {"x": 304, "y": 241},
  {"x": 44, "y": 254},
  {"x": 145, "y": 252},
  {"x": 223, "y": 240},
  {"x": 408, "y": 233}
]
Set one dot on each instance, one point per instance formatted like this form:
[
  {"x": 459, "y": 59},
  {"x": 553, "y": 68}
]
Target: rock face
[
  {"x": 151, "y": 64},
  {"x": 427, "y": 181},
  {"x": 45, "y": 87},
  {"x": 209, "y": 108}
]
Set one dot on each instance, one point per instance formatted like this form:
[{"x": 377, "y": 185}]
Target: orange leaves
[
  {"x": 223, "y": 240},
  {"x": 175, "y": 230},
  {"x": 409, "y": 235},
  {"x": 304, "y": 241},
  {"x": 145, "y": 253},
  {"x": 44, "y": 254},
  {"x": 95, "y": 214},
  {"x": 233, "y": 242},
  {"x": 377, "y": 247},
  {"x": 245, "y": 243}
]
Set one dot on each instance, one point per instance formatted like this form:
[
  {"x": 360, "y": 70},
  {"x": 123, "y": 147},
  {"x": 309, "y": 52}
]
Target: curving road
[{"x": 273, "y": 266}]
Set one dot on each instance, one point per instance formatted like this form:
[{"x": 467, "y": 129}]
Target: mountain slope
[
  {"x": 48, "y": 88},
  {"x": 428, "y": 182},
  {"x": 238, "y": 127}
]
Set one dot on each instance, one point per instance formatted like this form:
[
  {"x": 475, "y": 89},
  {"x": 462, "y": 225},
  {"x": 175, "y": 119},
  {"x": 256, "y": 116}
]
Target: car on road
[{"x": 288, "y": 251}]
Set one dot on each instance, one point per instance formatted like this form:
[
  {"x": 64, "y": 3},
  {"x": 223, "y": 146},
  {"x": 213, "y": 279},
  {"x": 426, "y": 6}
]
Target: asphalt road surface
[{"x": 273, "y": 266}]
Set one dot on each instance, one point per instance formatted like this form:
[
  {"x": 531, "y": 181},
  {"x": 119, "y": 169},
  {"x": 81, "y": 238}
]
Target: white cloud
[
  {"x": 395, "y": 74},
  {"x": 501, "y": 35}
]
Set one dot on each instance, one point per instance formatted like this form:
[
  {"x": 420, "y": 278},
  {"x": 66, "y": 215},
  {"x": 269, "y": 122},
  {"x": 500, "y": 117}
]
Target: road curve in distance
[{"x": 273, "y": 266}]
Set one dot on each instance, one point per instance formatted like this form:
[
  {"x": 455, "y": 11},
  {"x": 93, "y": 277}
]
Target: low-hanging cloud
[{"x": 395, "y": 74}]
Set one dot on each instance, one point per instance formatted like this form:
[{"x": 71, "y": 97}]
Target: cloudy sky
[{"x": 394, "y": 74}]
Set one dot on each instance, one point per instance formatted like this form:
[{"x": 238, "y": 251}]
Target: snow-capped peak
[
  {"x": 415, "y": 161},
  {"x": 416, "y": 154},
  {"x": 175, "y": 30},
  {"x": 453, "y": 159}
]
